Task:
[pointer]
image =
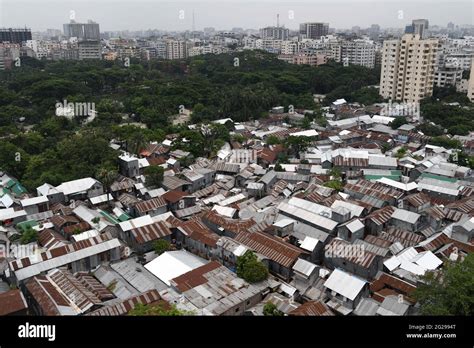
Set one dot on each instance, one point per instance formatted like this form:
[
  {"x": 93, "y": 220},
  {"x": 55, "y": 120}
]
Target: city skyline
[{"x": 116, "y": 15}]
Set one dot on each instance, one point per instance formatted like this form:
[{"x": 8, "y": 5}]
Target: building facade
[
  {"x": 276, "y": 33},
  {"x": 83, "y": 31},
  {"x": 470, "y": 87},
  {"x": 357, "y": 52},
  {"x": 12, "y": 35},
  {"x": 408, "y": 68},
  {"x": 314, "y": 30},
  {"x": 176, "y": 49}
]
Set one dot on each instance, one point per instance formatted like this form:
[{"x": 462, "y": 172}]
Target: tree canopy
[
  {"x": 161, "y": 245},
  {"x": 250, "y": 269},
  {"x": 160, "y": 309},
  {"x": 270, "y": 310},
  {"x": 449, "y": 292},
  {"x": 137, "y": 104},
  {"x": 154, "y": 175}
]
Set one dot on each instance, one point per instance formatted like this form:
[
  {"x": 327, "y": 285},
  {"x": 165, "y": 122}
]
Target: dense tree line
[
  {"x": 37, "y": 146},
  {"x": 449, "y": 109}
]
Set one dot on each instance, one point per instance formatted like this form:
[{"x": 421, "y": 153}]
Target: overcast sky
[{"x": 226, "y": 14}]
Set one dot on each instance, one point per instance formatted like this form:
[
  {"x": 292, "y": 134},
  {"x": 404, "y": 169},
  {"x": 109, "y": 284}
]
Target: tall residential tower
[{"x": 408, "y": 68}]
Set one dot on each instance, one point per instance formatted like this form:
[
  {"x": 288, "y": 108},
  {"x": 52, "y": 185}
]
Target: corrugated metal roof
[
  {"x": 271, "y": 247},
  {"x": 196, "y": 230},
  {"x": 76, "y": 186},
  {"x": 430, "y": 186},
  {"x": 122, "y": 308},
  {"x": 310, "y": 218},
  {"x": 172, "y": 264},
  {"x": 405, "y": 215},
  {"x": 366, "y": 306},
  {"x": 411, "y": 186},
  {"x": 11, "y": 302},
  {"x": 136, "y": 223},
  {"x": 382, "y": 161},
  {"x": 392, "y": 306},
  {"x": 309, "y": 243},
  {"x": 233, "y": 199},
  {"x": 304, "y": 267},
  {"x": 57, "y": 257},
  {"x": 150, "y": 232},
  {"x": 150, "y": 205},
  {"x": 312, "y": 308},
  {"x": 137, "y": 275},
  {"x": 233, "y": 225},
  {"x": 346, "y": 284},
  {"x": 382, "y": 215},
  {"x": 339, "y": 248},
  {"x": 356, "y": 210},
  {"x": 310, "y": 206}
]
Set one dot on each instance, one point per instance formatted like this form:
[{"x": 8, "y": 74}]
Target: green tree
[
  {"x": 279, "y": 168},
  {"x": 272, "y": 140},
  {"x": 154, "y": 176},
  {"x": 429, "y": 129},
  {"x": 13, "y": 159},
  {"x": 269, "y": 309},
  {"x": 398, "y": 121},
  {"x": 335, "y": 173},
  {"x": 29, "y": 235},
  {"x": 136, "y": 143},
  {"x": 161, "y": 245},
  {"x": 161, "y": 309},
  {"x": 449, "y": 291},
  {"x": 107, "y": 176},
  {"x": 96, "y": 221},
  {"x": 334, "y": 184},
  {"x": 462, "y": 159},
  {"x": 250, "y": 269},
  {"x": 306, "y": 124},
  {"x": 401, "y": 152},
  {"x": 446, "y": 142},
  {"x": 297, "y": 144}
]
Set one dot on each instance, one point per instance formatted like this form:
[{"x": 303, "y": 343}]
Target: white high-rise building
[
  {"x": 176, "y": 49},
  {"x": 470, "y": 87},
  {"x": 357, "y": 52},
  {"x": 290, "y": 47},
  {"x": 408, "y": 67}
]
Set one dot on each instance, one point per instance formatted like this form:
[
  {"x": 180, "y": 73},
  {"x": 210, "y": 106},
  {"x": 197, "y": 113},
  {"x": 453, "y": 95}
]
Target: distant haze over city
[{"x": 226, "y": 14}]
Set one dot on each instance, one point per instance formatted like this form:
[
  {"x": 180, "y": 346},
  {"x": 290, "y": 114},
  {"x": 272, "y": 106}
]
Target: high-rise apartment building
[
  {"x": 83, "y": 31},
  {"x": 357, "y": 52},
  {"x": 447, "y": 76},
  {"x": 374, "y": 31},
  {"x": 275, "y": 33},
  {"x": 9, "y": 52},
  {"x": 314, "y": 30},
  {"x": 408, "y": 68},
  {"x": 176, "y": 49},
  {"x": 13, "y": 35},
  {"x": 418, "y": 27},
  {"x": 470, "y": 87},
  {"x": 89, "y": 49}
]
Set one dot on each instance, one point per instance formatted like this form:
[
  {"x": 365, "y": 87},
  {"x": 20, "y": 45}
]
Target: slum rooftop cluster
[{"x": 357, "y": 250}]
